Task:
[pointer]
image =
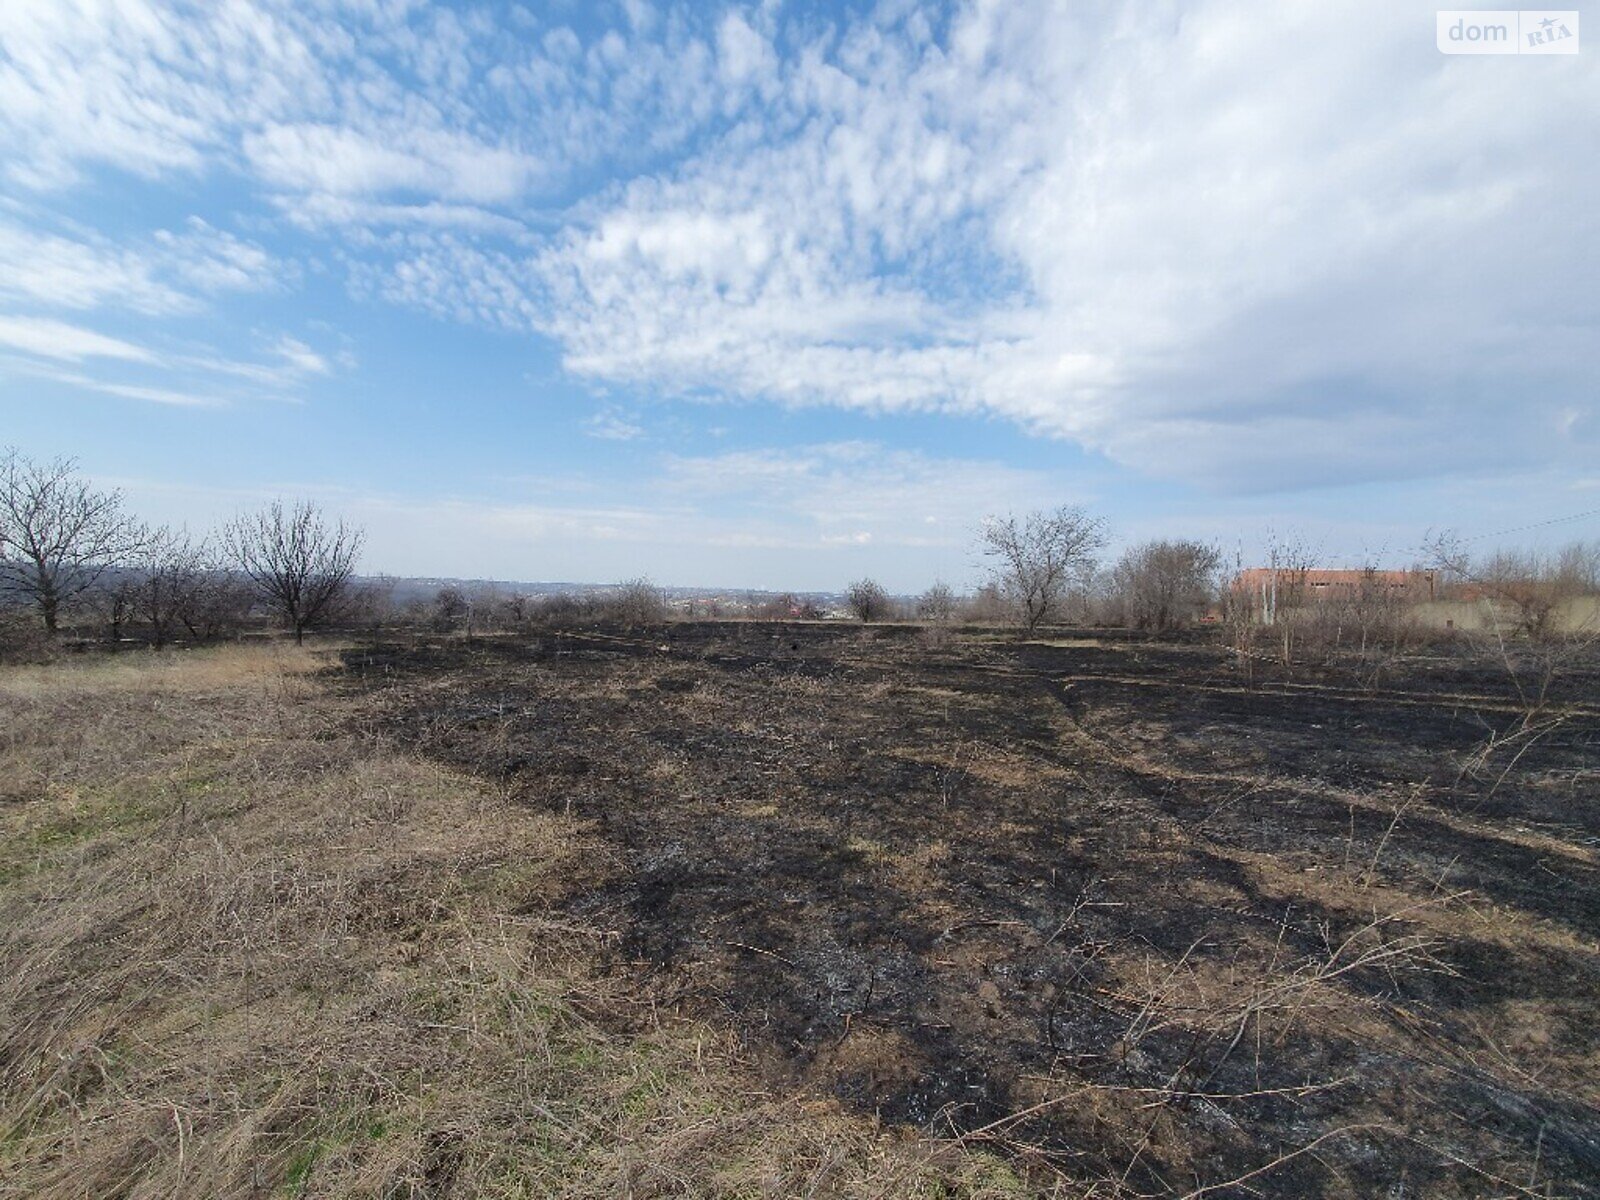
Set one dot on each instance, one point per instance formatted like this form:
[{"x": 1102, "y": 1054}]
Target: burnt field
[{"x": 1096, "y": 903}]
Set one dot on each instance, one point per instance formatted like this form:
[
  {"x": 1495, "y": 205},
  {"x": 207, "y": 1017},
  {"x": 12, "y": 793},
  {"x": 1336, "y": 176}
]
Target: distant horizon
[
  {"x": 1542, "y": 536},
  {"x": 726, "y": 589}
]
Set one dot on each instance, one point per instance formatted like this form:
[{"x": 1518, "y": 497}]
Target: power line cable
[{"x": 1593, "y": 512}]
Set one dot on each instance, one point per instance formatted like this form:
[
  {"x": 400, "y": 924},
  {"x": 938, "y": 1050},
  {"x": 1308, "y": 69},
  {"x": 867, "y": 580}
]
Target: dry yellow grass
[
  {"x": 248, "y": 947},
  {"x": 145, "y": 671}
]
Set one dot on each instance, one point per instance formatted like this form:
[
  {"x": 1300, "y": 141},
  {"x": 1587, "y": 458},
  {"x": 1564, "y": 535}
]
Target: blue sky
[{"x": 778, "y": 295}]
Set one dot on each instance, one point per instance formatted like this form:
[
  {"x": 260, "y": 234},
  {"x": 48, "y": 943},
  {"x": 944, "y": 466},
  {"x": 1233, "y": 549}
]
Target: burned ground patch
[{"x": 1097, "y": 902}]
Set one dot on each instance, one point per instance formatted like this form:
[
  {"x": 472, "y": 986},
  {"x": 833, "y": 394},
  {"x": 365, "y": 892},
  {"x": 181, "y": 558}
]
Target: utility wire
[
  {"x": 1477, "y": 537},
  {"x": 1593, "y": 512}
]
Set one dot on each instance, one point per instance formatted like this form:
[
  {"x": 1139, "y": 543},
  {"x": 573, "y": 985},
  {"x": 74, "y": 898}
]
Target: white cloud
[
  {"x": 154, "y": 395},
  {"x": 407, "y": 159},
  {"x": 128, "y": 391},
  {"x": 743, "y": 55},
  {"x": 65, "y": 273},
  {"x": 1217, "y": 242},
  {"x": 613, "y": 427},
  {"x": 392, "y": 104},
  {"x": 213, "y": 260},
  {"x": 1254, "y": 245},
  {"x": 450, "y": 276},
  {"x": 175, "y": 379},
  {"x": 47, "y": 338},
  {"x": 301, "y": 357},
  {"x": 141, "y": 86},
  {"x": 163, "y": 274},
  {"x": 319, "y": 210}
]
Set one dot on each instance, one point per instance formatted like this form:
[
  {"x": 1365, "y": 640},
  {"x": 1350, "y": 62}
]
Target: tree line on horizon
[{"x": 67, "y": 547}]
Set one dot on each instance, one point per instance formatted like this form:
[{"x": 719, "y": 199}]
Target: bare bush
[
  {"x": 635, "y": 602},
  {"x": 515, "y": 607},
  {"x": 1285, "y": 591},
  {"x": 705, "y": 607},
  {"x": 58, "y": 535},
  {"x": 773, "y": 608},
  {"x": 173, "y": 573},
  {"x": 1532, "y": 587},
  {"x": 560, "y": 608},
  {"x": 112, "y": 601},
  {"x": 299, "y": 564},
  {"x": 217, "y": 604},
  {"x": 786, "y": 606},
  {"x": 21, "y": 637},
  {"x": 937, "y": 604},
  {"x": 987, "y": 606},
  {"x": 1162, "y": 585},
  {"x": 1535, "y": 634},
  {"x": 1239, "y": 620},
  {"x": 1039, "y": 558},
  {"x": 867, "y": 599},
  {"x": 1366, "y": 628},
  {"x": 1577, "y": 566},
  {"x": 451, "y": 609},
  {"x": 1377, "y": 614},
  {"x": 174, "y": 587}
]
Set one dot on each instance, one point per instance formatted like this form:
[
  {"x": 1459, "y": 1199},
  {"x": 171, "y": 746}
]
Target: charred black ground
[{"x": 1095, "y": 899}]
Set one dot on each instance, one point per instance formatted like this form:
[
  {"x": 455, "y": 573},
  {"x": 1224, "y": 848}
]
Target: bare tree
[
  {"x": 218, "y": 603},
  {"x": 58, "y": 535},
  {"x": 1535, "y": 590},
  {"x": 452, "y": 607},
  {"x": 1284, "y": 590},
  {"x": 516, "y": 607},
  {"x": 1378, "y": 610},
  {"x": 299, "y": 565},
  {"x": 1284, "y": 582},
  {"x": 1239, "y": 618},
  {"x": 1038, "y": 558},
  {"x": 867, "y": 600},
  {"x": 1577, "y": 565},
  {"x": 938, "y": 603},
  {"x": 114, "y": 598},
  {"x": 1164, "y": 584},
  {"x": 1534, "y": 587},
  {"x": 172, "y": 573}
]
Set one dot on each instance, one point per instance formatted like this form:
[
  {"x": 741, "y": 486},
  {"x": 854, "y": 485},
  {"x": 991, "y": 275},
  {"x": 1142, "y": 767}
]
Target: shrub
[{"x": 868, "y": 600}]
